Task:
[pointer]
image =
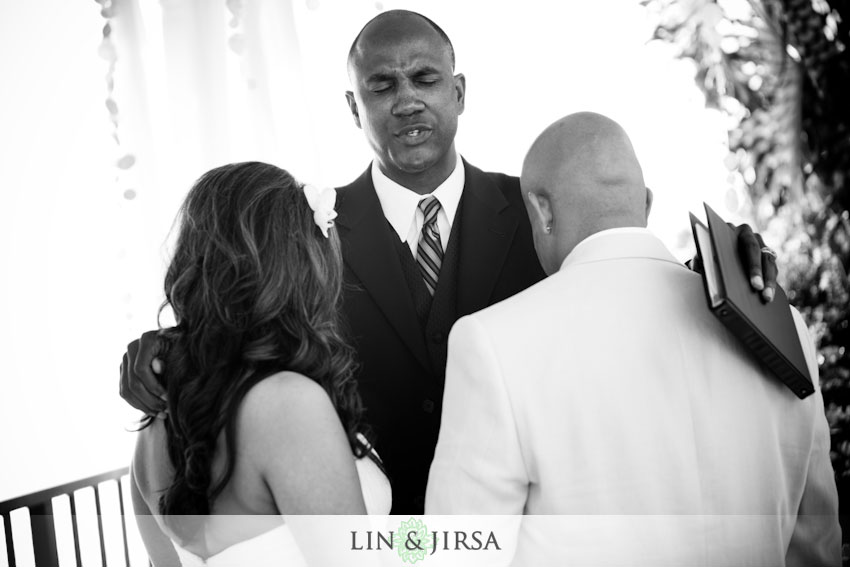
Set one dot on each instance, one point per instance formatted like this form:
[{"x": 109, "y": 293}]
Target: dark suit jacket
[{"x": 402, "y": 364}]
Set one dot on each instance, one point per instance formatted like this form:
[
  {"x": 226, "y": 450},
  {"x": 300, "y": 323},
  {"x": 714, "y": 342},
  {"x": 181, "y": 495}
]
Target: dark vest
[{"x": 437, "y": 314}]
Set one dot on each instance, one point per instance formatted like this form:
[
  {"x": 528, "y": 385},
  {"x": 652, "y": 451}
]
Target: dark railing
[{"x": 40, "y": 506}]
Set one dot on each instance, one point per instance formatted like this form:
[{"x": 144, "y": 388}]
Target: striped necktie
[{"x": 429, "y": 253}]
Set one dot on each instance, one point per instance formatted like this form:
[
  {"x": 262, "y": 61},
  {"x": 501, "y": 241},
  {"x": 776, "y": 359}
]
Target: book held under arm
[{"x": 766, "y": 329}]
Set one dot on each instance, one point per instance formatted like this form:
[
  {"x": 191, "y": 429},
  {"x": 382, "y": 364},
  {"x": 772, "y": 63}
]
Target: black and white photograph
[{"x": 385, "y": 283}]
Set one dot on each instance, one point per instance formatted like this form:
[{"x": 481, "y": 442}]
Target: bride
[{"x": 263, "y": 415}]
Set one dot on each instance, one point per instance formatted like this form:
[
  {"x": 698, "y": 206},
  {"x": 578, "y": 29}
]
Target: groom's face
[{"x": 406, "y": 99}]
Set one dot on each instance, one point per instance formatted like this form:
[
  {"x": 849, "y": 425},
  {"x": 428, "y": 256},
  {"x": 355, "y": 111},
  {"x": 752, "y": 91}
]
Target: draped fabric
[{"x": 201, "y": 83}]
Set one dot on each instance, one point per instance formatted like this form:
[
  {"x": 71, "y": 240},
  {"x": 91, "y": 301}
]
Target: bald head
[
  {"x": 581, "y": 176},
  {"x": 396, "y": 25}
]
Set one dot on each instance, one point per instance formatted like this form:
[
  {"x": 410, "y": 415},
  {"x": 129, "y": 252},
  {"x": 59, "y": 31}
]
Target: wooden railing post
[
  {"x": 10, "y": 544},
  {"x": 44, "y": 535}
]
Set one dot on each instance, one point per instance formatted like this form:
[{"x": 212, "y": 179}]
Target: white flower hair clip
[{"x": 322, "y": 202}]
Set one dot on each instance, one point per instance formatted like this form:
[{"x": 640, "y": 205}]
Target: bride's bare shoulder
[
  {"x": 284, "y": 389},
  {"x": 290, "y": 434},
  {"x": 285, "y": 401}
]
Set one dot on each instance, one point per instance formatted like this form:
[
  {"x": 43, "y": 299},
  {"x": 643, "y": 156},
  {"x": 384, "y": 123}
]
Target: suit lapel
[
  {"x": 368, "y": 250},
  {"x": 487, "y": 230}
]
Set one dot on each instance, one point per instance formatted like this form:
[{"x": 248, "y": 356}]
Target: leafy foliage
[{"x": 780, "y": 70}]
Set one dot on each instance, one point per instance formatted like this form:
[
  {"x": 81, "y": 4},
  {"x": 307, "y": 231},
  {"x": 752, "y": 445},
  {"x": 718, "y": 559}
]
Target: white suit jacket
[{"x": 608, "y": 392}]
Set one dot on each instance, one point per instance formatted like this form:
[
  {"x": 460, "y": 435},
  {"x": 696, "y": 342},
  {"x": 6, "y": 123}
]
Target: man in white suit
[{"x": 609, "y": 393}]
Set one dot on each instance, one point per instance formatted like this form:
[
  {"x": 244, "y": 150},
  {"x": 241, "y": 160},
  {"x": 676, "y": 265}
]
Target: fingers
[
  {"x": 695, "y": 264},
  {"x": 129, "y": 389},
  {"x": 139, "y": 385},
  {"x": 749, "y": 250},
  {"x": 123, "y": 391},
  {"x": 150, "y": 347},
  {"x": 769, "y": 271}
]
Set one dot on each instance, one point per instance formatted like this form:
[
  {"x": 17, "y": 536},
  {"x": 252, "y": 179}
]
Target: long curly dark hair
[{"x": 255, "y": 288}]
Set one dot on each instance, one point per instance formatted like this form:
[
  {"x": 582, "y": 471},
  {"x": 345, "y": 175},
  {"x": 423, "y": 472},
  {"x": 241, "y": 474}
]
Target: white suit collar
[{"x": 626, "y": 242}]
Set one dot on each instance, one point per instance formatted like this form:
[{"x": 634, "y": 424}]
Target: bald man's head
[
  {"x": 400, "y": 22},
  {"x": 581, "y": 176}
]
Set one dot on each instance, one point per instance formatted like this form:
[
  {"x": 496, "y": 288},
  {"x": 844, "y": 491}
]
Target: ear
[
  {"x": 649, "y": 198},
  {"x": 541, "y": 210},
  {"x": 460, "y": 89},
  {"x": 352, "y": 106}
]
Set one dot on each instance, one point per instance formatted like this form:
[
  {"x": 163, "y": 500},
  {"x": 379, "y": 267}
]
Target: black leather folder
[{"x": 766, "y": 329}]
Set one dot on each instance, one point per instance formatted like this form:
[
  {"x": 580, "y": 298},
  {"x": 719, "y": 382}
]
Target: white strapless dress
[{"x": 278, "y": 546}]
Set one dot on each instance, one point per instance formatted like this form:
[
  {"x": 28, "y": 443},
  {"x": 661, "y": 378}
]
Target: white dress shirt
[{"x": 401, "y": 205}]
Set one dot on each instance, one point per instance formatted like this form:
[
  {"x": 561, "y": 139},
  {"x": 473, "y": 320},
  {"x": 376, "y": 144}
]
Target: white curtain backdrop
[{"x": 199, "y": 83}]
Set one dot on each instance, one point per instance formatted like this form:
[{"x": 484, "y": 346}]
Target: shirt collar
[{"x": 399, "y": 203}]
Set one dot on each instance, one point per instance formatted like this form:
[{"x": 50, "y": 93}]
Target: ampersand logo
[{"x": 412, "y": 540}]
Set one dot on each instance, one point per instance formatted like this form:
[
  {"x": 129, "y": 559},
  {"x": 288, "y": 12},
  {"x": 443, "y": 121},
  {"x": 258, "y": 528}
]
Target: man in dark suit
[
  {"x": 407, "y": 100},
  {"x": 427, "y": 238}
]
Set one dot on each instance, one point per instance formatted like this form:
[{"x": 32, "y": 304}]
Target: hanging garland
[
  {"x": 236, "y": 42},
  {"x": 108, "y": 52}
]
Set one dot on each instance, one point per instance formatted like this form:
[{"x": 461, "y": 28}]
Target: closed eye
[
  {"x": 380, "y": 87},
  {"x": 427, "y": 79}
]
